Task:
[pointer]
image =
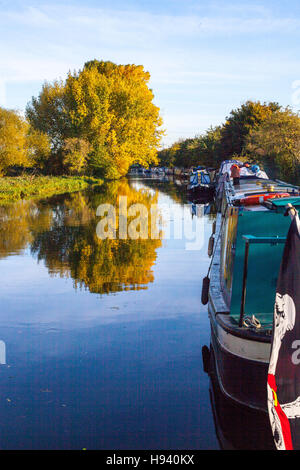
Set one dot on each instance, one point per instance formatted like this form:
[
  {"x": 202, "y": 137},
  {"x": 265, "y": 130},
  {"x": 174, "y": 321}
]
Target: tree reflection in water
[{"x": 61, "y": 232}]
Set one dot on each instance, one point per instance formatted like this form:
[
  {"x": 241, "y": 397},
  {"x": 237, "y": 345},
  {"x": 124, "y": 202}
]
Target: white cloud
[
  {"x": 242, "y": 26},
  {"x": 238, "y": 9},
  {"x": 184, "y": 53},
  {"x": 31, "y": 16},
  {"x": 232, "y": 19}
]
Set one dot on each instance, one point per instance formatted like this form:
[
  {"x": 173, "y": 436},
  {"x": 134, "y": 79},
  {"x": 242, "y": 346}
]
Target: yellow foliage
[
  {"x": 13, "y": 130},
  {"x": 37, "y": 147},
  {"x": 113, "y": 110},
  {"x": 108, "y": 106}
]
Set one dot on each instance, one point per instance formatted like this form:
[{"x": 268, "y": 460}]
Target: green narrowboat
[{"x": 248, "y": 241}]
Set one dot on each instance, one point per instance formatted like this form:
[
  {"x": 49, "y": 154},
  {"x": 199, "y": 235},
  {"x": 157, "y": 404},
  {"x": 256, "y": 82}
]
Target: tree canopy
[
  {"x": 265, "y": 133},
  {"x": 101, "y": 120},
  {"x": 110, "y": 108},
  {"x": 276, "y": 143},
  {"x": 240, "y": 124},
  {"x": 20, "y": 144}
]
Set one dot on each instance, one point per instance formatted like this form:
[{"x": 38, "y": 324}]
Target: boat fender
[
  {"x": 206, "y": 359},
  {"x": 211, "y": 242},
  {"x": 214, "y": 227},
  {"x": 205, "y": 289}
]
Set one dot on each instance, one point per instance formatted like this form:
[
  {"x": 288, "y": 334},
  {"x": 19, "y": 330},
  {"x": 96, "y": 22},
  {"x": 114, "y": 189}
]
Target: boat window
[
  {"x": 205, "y": 179},
  {"x": 194, "y": 179},
  {"x": 228, "y": 250}
]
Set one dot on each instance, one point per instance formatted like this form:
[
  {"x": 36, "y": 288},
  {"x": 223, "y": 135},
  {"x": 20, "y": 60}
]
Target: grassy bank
[{"x": 26, "y": 187}]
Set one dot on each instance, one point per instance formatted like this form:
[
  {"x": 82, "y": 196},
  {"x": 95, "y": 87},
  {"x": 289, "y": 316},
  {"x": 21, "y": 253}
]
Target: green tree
[
  {"x": 276, "y": 144},
  {"x": 206, "y": 148},
  {"x": 200, "y": 150},
  {"x": 240, "y": 124},
  {"x": 167, "y": 156},
  {"x": 48, "y": 114}
]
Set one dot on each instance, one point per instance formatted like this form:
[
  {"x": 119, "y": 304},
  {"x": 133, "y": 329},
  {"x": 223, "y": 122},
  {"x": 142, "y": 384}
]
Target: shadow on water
[{"x": 238, "y": 427}]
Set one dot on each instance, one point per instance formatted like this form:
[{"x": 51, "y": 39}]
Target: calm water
[{"x": 103, "y": 337}]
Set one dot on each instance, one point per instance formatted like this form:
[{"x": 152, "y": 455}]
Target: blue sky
[{"x": 205, "y": 57}]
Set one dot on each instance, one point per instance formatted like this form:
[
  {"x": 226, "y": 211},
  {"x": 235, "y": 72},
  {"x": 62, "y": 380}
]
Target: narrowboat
[
  {"x": 246, "y": 249},
  {"x": 200, "y": 185}
]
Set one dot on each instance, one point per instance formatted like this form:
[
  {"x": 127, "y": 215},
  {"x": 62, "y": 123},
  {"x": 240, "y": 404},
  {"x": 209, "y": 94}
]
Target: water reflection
[
  {"x": 118, "y": 372},
  {"x": 170, "y": 186},
  {"x": 20, "y": 223},
  {"x": 238, "y": 427},
  {"x": 61, "y": 232}
]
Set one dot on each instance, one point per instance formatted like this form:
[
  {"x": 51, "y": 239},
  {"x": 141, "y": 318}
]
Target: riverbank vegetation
[
  {"x": 101, "y": 120},
  {"x": 30, "y": 186},
  {"x": 265, "y": 133},
  {"x": 97, "y": 122}
]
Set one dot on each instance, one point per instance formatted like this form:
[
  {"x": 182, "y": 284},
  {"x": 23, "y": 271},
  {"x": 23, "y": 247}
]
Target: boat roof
[
  {"x": 278, "y": 203},
  {"x": 227, "y": 164},
  {"x": 259, "y": 186}
]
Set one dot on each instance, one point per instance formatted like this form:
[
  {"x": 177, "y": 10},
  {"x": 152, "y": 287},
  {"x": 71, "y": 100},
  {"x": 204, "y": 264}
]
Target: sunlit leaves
[
  {"x": 13, "y": 131},
  {"x": 108, "y": 106},
  {"x": 276, "y": 142},
  {"x": 240, "y": 124}
]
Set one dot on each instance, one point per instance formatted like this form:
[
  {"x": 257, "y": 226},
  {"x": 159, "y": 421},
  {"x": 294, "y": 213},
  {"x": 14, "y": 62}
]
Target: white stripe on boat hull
[{"x": 241, "y": 347}]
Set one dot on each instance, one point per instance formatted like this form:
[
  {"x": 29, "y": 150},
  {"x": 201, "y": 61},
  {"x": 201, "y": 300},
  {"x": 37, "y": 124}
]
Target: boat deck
[{"x": 257, "y": 186}]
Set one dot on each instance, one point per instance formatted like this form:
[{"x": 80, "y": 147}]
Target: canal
[{"x": 101, "y": 339}]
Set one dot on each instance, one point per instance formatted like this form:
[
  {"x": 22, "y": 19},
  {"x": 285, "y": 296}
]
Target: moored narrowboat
[
  {"x": 248, "y": 242},
  {"x": 200, "y": 185}
]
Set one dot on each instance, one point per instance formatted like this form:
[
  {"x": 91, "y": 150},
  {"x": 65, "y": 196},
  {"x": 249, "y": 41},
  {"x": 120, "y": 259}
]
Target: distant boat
[{"x": 200, "y": 185}]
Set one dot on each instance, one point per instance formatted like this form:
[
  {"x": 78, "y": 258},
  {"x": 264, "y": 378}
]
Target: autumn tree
[
  {"x": 107, "y": 105},
  {"x": 38, "y": 148},
  {"x": 13, "y": 131},
  {"x": 20, "y": 144},
  {"x": 75, "y": 154}
]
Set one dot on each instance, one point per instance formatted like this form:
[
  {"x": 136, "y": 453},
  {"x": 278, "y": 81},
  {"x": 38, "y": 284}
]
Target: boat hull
[
  {"x": 238, "y": 427},
  {"x": 241, "y": 365},
  {"x": 242, "y": 353},
  {"x": 201, "y": 192}
]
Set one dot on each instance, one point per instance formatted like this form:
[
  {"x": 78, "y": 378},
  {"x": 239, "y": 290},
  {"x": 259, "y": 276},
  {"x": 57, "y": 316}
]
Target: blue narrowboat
[{"x": 201, "y": 184}]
